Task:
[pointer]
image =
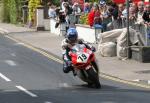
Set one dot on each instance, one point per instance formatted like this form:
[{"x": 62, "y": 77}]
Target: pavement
[{"x": 129, "y": 70}]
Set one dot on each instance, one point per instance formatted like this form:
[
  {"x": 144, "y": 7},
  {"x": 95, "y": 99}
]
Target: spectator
[
  {"x": 61, "y": 18},
  {"x": 106, "y": 15},
  {"x": 146, "y": 15},
  {"x": 124, "y": 13},
  {"x": 97, "y": 14},
  {"x": 134, "y": 5},
  {"x": 76, "y": 12},
  {"x": 132, "y": 16},
  {"x": 132, "y": 13},
  {"x": 76, "y": 8},
  {"x": 90, "y": 5},
  {"x": 117, "y": 16},
  {"x": 52, "y": 12},
  {"x": 140, "y": 12},
  {"x": 57, "y": 11},
  {"x": 107, "y": 19},
  {"x": 94, "y": 15},
  {"x": 115, "y": 11},
  {"x": 102, "y": 6},
  {"x": 91, "y": 18},
  {"x": 63, "y": 4},
  {"x": 86, "y": 7},
  {"x": 121, "y": 8},
  {"x": 67, "y": 12}
]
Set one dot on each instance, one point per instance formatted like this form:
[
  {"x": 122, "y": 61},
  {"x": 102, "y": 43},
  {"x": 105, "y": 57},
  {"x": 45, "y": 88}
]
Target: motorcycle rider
[{"x": 70, "y": 40}]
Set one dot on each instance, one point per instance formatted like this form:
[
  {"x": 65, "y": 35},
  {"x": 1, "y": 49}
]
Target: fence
[{"x": 142, "y": 28}]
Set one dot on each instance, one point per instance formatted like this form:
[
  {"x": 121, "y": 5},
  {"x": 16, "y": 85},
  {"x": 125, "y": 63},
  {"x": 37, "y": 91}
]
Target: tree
[
  {"x": 1, "y": 10},
  {"x": 6, "y": 11},
  {"x": 12, "y": 10},
  {"x": 32, "y": 5},
  {"x": 56, "y": 2},
  {"x": 19, "y": 9}
]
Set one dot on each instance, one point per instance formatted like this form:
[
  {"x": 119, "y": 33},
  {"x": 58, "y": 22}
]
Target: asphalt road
[{"x": 28, "y": 77}]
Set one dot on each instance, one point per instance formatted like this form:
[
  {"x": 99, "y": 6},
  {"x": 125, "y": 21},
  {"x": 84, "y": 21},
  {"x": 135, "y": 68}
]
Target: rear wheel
[{"x": 93, "y": 76}]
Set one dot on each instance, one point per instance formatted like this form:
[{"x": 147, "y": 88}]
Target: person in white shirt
[
  {"x": 140, "y": 12},
  {"x": 52, "y": 12}
]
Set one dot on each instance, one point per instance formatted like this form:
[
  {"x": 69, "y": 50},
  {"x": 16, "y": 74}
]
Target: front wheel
[
  {"x": 93, "y": 76},
  {"x": 94, "y": 64}
]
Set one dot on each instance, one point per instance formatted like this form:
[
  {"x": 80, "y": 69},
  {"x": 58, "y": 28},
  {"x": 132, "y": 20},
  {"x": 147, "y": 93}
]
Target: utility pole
[{"x": 128, "y": 33}]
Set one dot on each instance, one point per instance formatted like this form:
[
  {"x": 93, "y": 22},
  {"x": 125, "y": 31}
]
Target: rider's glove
[
  {"x": 69, "y": 63},
  {"x": 93, "y": 49}
]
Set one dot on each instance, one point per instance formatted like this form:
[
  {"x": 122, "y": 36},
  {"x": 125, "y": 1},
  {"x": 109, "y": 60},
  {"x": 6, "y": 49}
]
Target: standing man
[
  {"x": 146, "y": 15},
  {"x": 63, "y": 4},
  {"x": 76, "y": 12},
  {"x": 140, "y": 12}
]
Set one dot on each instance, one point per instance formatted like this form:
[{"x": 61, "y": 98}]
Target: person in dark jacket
[{"x": 146, "y": 15}]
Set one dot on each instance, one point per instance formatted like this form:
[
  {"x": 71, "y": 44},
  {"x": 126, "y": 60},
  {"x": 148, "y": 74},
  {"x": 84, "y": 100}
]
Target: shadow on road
[{"x": 78, "y": 94}]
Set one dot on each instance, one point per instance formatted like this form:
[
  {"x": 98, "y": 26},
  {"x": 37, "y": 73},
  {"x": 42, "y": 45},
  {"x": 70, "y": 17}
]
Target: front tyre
[
  {"x": 94, "y": 64},
  {"x": 93, "y": 76}
]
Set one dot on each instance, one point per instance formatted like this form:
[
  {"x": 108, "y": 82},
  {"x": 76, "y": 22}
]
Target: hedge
[
  {"x": 12, "y": 10},
  {"x": 32, "y": 5}
]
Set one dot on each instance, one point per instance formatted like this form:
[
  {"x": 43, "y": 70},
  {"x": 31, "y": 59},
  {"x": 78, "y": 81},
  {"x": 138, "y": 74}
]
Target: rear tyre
[{"x": 93, "y": 76}]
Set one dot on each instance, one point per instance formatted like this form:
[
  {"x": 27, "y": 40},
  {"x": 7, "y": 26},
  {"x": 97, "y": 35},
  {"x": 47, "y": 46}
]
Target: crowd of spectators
[{"x": 109, "y": 15}]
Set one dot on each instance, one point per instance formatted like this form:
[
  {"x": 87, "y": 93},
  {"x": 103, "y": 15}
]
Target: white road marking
[
  {"x": 9, "y": 90},
  {"x": 19, "y": 43},
  {"x": 13, "y": 54},
  {"x": 26, "y": 91},
  {"x": 48, "y": 102},
  {"x": 63, "y": 85},
  {"x": 10, "y": 62},
  {"x": 4, "y": 77}
]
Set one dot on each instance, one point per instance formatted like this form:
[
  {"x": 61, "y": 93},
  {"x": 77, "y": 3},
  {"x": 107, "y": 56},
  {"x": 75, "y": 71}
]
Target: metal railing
[{"x": 143, "y": 29}]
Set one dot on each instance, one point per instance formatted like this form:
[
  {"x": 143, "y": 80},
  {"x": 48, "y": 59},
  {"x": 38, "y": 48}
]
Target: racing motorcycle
[{"x": 83, "y": 61}]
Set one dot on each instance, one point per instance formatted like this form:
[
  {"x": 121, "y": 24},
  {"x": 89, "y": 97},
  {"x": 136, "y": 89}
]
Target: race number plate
[{"x": 82, "y": 58}]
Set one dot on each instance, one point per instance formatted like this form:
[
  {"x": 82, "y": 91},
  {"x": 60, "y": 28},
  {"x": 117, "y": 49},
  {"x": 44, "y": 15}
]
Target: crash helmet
[{"x": 72, "y": 35}]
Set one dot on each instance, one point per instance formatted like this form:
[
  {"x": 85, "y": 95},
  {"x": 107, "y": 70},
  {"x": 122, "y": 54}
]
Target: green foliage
[
  {"x": 32, "y": 5},
  {"x": 56, "y": 2},
  {"x": 6, "y": 11},
  {"x": 84, "y": 19},
  {"x": 12, "y": 10},
  {"x": 19, "y": 9},
  {"x": 1, "y": 11},
  {"x": 93, "y": 1}
]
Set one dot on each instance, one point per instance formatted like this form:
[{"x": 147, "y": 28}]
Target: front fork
[{"x": 94, "y": 64}]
